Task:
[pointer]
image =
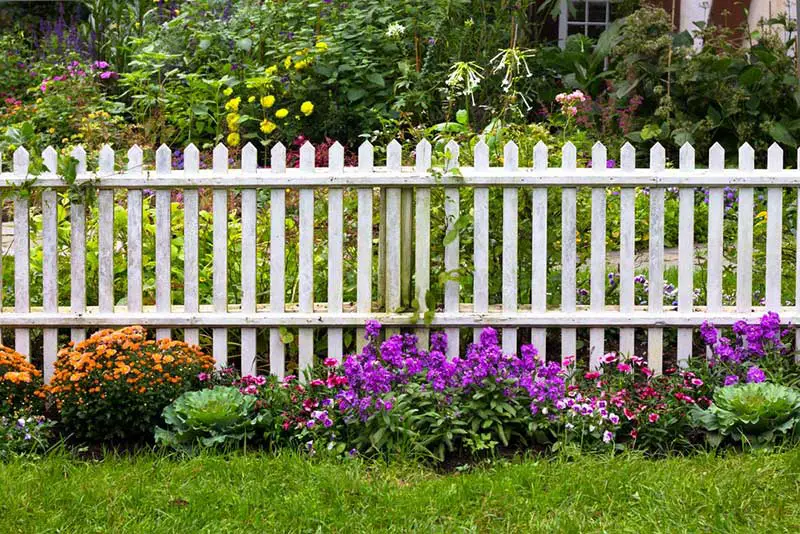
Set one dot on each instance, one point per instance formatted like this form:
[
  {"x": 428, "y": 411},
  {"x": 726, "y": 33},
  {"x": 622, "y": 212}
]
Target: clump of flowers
[
  {"x": 19, "y": 382},
  {"x": 24, "y": 435},
  {"x": 755, "y": 352},
  {"x": 114, "y": 385},
  {"x": 569, "y": 102},
  {"x": 624, "y": 401}
]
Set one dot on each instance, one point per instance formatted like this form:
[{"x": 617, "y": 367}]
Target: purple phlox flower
[{"x": 755, "y": 375}]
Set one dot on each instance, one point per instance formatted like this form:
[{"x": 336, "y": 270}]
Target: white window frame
[{"x": 564, "y": 23}]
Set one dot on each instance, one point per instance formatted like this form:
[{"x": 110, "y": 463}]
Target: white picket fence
[{"x": 403, "y": 189}]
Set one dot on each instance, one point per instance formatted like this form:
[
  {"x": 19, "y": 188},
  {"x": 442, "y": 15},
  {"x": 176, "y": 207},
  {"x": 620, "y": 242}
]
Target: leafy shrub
[
  {"x": 211, "y": 417},
  {"x": 757, "y": 413},
  {"x": 24, "y": 435},
  {"x": 19, "y": 382},
  {"x": 114, "y": 385}
]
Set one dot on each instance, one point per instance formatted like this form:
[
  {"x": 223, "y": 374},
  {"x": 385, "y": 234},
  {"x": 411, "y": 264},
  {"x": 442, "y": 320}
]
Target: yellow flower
[
  {"x": 233, "y": 121},
  {"x": 287, "y": 62},
  {"x": 251, "y": 99},
  {"x": 300, "y": 65},
  {"x": 267, "y": 101},
  {"x": 233, "y": 139},
  {"x": 271, "y": 70},
  {"x": 281, "y": 113},
  {"x": 228, "y": 91},
  {"x": 52, "y": 130},
  {"x": 268, "y": 126},
  {"x": 307, "y": 108},
  {"x": 322, "y": 46},
  {"x": 233, "y": 104}
]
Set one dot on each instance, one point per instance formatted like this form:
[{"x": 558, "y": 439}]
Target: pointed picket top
[
  {"x": 219, "y": 159},
  {"x": 191, "y": 159},
  {"x": 511, "y": 156},
  {"x": 21, "y": 161},
  {"x": 599, "y": 156},
  {"x": 163, "y": 160},
  {"x": 336, "y": 157},
  {"x": 307, "y": 156},
  {"x": 394, "y": 155},
  {"x": 105, "y": 160},
  {"x": 716, "y": 157},
  {"x": 481, "y": 155},
  {"x": 79, "y": 153},
  {"x": 451, "y": 153},
  {"x": 249, "y": 158},
  {"x": 747, "y": 157},
  {"x": 424, "y": 156},
  {"x": 686, "y": 157},
  {"x": 366, "y": 157},
  {"x": 135, "y": 159},
  {"x": 569, "y": 156},
  {"x": 540, "y": 156},
  {"x": 775, "y": 157},
  {"x": 627, "y": 157},
  {"x": 277, "y": 158},
  {"x": 658, "y": 157},
  {"x": 50, "y": 159}
]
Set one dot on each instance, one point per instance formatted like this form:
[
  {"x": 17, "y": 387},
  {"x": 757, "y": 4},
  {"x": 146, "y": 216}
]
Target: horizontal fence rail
[{"x": 391, "y": 250}]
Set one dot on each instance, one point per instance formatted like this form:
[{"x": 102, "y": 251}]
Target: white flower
[{"x": 395, "y": 29}]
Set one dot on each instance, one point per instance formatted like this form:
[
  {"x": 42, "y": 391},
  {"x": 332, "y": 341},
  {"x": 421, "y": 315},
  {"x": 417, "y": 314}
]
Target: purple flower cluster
[
  {"x": 377, "y": 372},
  {"x": 751, "y": 341}
]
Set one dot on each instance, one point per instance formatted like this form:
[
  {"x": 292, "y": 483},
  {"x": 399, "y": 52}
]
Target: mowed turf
[{"x": 290, "y": 493}]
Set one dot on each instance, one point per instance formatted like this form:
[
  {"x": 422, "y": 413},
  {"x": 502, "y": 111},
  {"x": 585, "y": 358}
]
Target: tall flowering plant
[{"x": 754, "y": 352}]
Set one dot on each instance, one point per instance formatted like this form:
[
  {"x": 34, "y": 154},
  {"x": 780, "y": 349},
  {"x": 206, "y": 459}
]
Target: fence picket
[
  {"x": 598, "y": 261},
  {"x": 49, "y": 264},
  {"x": 135, "y": 233},
  {"x": 774, "y": 232},
  {"x": 510, "y": 246},
  {"x": 422, "y": 255},
  {"x": 306, "y": 257},
  {"x": 277, "y": 261},
  {"x": 685, "y": 254},
  {"x": 248, "y": 268},
  {"x": 22, "y": 274},
  {"x": 77, "y": 214},
  {"x": 163, "y": 240},
  {"x": 744, "y": 242},
  {"x": 716, "y": 161},
  {"x": 480, "y": 289},
  {"x": 627, "y": 249},
  {"x": 219, "y": 206},
  {"x": 364, "y": 240},
  {"x": 655, "y": 299},
  {"x": 105, "y": 231},
  {"x": 539, "y": 252},
  {"x": 191, "y": 232},
  {"x": 335, "y": 249},
  {"x": 452, "y": 201},
  {"x": 796, "y": 267},
  {"x": 568, "y": 252},
  {"x": 393, "y": 235}
]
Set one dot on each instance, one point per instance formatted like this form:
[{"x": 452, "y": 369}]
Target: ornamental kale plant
[
  {"x": 756, "y": 352},
  {"x": 756, "y": 414},
  {"x": 217, "y": 417}
]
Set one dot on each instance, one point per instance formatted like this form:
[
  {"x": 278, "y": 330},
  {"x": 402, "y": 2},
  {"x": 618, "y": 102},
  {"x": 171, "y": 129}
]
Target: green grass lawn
[{"x": 259, "y": 493}]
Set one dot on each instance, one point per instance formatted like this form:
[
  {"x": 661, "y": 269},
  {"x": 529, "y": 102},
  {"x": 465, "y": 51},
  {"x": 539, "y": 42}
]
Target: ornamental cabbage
[{"x": 755, "y": 413}]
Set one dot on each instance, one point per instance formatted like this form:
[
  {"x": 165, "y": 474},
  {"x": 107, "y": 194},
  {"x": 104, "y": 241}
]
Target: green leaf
[
  {"x": 462, "y": 117},
  {"x": 376, "y": 79},
  {"x": 781, "y": 134}
]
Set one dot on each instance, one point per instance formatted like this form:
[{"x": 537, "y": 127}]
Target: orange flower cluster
[
  {"x": 119, "y": 381},
  {"x": 19, "y": 382}
]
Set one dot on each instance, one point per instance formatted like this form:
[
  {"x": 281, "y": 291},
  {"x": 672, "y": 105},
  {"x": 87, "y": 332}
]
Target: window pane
[
  {"x": 576, "y": 29},
  {"x": 597, "y": 11},
  {"x": 578, "y": 12},
  {"x": 594, "y": 31}
]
